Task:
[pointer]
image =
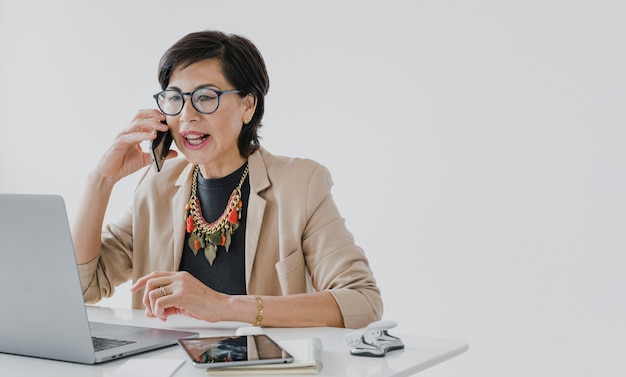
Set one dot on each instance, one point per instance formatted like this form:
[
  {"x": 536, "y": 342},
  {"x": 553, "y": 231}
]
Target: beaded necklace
[{"x": 208, "y": 236}]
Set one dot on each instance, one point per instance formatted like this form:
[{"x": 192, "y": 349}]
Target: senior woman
[{"x": 227, "y": 231}]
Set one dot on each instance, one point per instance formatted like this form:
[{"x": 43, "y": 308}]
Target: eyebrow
[{"x": 202, "y": 86}]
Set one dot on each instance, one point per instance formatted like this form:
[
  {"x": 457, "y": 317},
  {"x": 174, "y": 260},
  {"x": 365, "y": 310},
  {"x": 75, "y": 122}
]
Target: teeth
[{"x": 195, "y": 139}]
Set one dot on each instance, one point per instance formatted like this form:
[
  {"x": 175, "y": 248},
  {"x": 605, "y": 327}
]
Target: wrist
[
  {"x": 98, "y": 182},
  {"x": 247, "y": 309},
  {"x": 259, "y": 308}
]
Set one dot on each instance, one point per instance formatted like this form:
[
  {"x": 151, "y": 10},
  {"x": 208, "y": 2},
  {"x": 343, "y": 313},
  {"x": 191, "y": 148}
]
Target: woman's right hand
[{"x": 125, "y": 156}]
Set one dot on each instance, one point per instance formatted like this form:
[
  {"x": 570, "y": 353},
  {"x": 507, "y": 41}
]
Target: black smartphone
[
  {"x": 159, "y": 148},
  {"x": 216, "y": 352}
]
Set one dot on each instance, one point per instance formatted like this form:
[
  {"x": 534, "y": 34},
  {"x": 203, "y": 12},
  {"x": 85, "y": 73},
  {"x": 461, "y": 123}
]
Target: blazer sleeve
[{"x": 336, "y": 264}]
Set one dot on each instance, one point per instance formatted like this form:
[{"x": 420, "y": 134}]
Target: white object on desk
[
  {"x": 249, "y": 330},
  {"x": 374, "y": 340}
]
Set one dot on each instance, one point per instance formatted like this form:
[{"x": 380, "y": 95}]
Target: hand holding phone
[{"x": 159, "y": 148}]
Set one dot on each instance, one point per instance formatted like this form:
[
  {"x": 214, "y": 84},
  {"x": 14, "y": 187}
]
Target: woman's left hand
[{"x": 168, "y": 293}]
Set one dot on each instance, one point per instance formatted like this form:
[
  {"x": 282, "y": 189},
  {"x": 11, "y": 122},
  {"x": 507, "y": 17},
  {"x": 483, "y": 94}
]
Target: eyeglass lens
[{"x": 204, "y": 100}]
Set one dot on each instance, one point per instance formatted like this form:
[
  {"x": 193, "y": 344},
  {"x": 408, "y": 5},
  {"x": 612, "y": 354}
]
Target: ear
[{"x": 249, "y": 103}]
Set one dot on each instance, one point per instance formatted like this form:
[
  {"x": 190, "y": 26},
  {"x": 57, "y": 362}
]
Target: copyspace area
[{"x": 477, "y": 148}]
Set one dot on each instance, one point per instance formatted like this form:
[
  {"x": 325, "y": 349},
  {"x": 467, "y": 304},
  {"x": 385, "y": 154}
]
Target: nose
[{"x": 188, "y": 112}]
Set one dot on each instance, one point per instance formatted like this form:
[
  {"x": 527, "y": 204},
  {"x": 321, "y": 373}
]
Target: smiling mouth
[{"x": 196, "y": 139}]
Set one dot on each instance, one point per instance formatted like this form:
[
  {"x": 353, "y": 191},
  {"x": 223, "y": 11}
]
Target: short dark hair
[{"x": 242, "y": 65}]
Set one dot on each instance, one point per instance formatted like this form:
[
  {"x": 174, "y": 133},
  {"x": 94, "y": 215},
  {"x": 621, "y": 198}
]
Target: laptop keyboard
[{"x": 100, "y": 344}]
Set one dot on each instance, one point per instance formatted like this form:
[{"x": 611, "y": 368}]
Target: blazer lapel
[
  {"x": 178, "y": 214},
  {"x": 256, "y": 208}
]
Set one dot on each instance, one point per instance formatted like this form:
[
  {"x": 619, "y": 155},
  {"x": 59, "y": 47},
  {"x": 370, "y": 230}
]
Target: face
[{"x": 209, "y": 140}]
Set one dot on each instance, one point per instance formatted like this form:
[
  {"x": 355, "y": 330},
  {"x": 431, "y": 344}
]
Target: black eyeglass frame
[{"x": 190, "y": 94}]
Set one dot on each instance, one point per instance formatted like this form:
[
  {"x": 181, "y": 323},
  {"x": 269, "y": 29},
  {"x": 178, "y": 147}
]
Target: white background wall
[{"x": 476, "y": 147}]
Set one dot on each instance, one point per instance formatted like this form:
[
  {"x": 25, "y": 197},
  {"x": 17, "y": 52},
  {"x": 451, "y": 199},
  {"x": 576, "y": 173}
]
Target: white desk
[{"x": 419, "y": 353}]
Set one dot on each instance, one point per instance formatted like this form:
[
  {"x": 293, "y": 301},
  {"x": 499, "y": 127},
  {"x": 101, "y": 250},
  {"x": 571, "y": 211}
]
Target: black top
[{"x": 227, "y": 274}]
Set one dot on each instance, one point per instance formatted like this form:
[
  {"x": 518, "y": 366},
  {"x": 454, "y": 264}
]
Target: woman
[{"x": 230, "y": 232}]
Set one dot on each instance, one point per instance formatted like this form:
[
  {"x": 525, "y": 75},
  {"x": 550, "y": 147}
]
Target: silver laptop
[{"x": 43, "y": 313}]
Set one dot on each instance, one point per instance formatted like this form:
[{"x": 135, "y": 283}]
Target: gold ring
[{"x": 162, "y": 291}]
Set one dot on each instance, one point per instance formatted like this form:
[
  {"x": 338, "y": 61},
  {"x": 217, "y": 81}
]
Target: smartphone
[
  {"x": 219, "y": 352},
  {"x": 159, "y": 148}
]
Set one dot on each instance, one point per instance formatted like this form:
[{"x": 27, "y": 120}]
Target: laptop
[{"x": 43, "y": 312}]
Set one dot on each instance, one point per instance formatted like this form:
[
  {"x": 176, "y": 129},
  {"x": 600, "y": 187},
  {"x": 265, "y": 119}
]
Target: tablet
[{"x": 219, "y": 352}]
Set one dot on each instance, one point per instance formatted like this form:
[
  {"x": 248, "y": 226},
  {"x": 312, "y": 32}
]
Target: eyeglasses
[{"x": 204, "y": 100}]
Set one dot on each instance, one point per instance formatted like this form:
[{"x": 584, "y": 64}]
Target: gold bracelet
[{"x": 259, "y": 307}]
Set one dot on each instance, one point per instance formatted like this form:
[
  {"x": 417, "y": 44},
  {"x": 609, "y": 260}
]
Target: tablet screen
[{"x": 234, "y": 350}]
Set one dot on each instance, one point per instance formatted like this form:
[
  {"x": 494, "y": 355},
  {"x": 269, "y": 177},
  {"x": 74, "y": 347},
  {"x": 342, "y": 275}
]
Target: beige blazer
[{"x": 296, "y": 239}]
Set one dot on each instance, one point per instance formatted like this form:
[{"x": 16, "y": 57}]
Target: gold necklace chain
[{"x": 208, "y": 236}]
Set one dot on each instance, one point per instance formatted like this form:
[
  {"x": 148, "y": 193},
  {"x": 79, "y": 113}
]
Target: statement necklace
[{"x": 208, "y": 236}]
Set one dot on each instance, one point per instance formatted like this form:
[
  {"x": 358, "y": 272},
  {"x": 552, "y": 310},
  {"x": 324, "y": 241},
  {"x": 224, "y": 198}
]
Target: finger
[
  {"x": 151, "y": 282},
  {"x": 160, "y": 306},
  {"x": 142, "y": 281},
  {"x": 167, "y": 305},
  {"x": 150, "y": 297},
  {"x": 147, "y": 120},
  {"x": 144, "y": 126},
  {"x": 154, "y": 296},
  {"x": 150, "y": 113},
  {"x": 162, "y": 302},
  {"x": 171, "y": 154},
  {"x": 132, "y": 139},
  {"x": 159, "y": 281},
  {"x": 157, "y": 288}
]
